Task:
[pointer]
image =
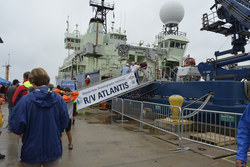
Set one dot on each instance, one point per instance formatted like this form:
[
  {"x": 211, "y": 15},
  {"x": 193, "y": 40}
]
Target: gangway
[{"x": 105, "y": 91}]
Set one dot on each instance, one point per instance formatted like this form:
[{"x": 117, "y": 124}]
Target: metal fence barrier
[
  {"x": 158, "y": 116},
  {"x": 212, "y": 128}
]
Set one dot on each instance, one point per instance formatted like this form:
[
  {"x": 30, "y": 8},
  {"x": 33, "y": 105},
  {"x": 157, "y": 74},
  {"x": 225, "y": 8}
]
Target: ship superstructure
[{"x": 102, "y": 52}]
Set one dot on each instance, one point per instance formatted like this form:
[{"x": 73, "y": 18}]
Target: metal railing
[
  {"x": 99, "y": 3},
  {"x": 177, "y": 33},
  {"x": 211, "y": 18},
  {"x": 95, "y": 81},
  {"x": 149, "y": 75},
  {"x": 162, "y": 117},
  {"x": 212, "y": 128},
  {"x": 159, "y": 73}
]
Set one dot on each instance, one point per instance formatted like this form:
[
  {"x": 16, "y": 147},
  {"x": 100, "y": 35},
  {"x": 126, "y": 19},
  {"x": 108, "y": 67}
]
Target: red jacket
[{"x": 21, "y": 91}]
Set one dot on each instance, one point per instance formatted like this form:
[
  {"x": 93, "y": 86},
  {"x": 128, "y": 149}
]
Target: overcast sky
[{"x": 33, "y": 30}]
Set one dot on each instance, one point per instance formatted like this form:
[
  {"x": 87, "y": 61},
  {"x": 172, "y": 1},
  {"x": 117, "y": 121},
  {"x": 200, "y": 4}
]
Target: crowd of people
[
  {"x": 136, "y": 68},
  {"x": 39, "y": 115}
]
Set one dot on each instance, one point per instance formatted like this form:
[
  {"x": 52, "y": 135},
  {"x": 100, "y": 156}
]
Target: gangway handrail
[
  {"x": 98, "y": 82},
  {"x": 150, "y": 76},
  {"x": 138, "y": 87}
]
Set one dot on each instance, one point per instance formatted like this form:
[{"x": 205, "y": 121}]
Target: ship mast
[{"x": 102, "y": 10}]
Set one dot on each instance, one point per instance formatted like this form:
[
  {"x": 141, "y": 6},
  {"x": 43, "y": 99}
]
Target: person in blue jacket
[
  {"x": 41, "y": 116},
  {"x": 243, "y": 138},
  {"x": 125, "y": 69}
]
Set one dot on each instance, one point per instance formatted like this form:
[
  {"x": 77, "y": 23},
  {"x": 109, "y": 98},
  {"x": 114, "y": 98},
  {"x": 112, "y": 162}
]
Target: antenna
[
  {"x": 70, "y": 24},
  {"x": 80, "y": 27},
  {"x": 121, "y": 20},
  {"x": 124, "y": 21},
  {"x": 67, "y": 24},
  {"x": 77, "y": 32}
]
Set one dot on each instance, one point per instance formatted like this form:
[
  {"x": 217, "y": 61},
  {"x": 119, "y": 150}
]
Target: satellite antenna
[{"x": 171, "y": 14}]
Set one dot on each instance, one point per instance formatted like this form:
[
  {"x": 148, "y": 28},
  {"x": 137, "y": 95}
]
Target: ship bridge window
[
  {"x": 161, "y": 45},
  {"x": 172, "y": 44},
  {"x": 177, "y": 45},
  {"x": 68, "y": 40},
  {"x": 77, "y": 40},
  {"x": 166, "y": 44},
  {"x": 119, "y": 37},
  {"x": 124, "y": 38},
  {"x": 183, "y": 45},
  {"x": 72, "y": 40}
]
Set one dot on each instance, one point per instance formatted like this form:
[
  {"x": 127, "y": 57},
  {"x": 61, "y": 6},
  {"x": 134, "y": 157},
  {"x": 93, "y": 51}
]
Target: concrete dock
[{"x": 98, "y": 143}]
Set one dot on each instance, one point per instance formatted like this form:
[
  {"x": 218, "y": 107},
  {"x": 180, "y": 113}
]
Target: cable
[
  {"x": 223, "y": 44},
  {"x": 200, "y": 108}
]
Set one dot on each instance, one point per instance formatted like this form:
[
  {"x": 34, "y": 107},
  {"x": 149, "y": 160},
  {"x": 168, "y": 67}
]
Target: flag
[
  {"x": 93, "y": 9},
  {"x": 113, "y": 15}
]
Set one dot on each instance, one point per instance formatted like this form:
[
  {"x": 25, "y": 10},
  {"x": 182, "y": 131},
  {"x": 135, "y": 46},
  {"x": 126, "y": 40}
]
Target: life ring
[{"x": 69, "y": 45}]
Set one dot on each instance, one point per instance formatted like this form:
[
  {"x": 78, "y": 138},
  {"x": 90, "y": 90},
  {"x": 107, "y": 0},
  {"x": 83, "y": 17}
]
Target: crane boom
[
  {"x": 233, "y": 19},
  {"x": 230, "y": 18}
]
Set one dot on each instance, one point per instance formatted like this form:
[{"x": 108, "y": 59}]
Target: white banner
[{"x": 105, "y": 90}]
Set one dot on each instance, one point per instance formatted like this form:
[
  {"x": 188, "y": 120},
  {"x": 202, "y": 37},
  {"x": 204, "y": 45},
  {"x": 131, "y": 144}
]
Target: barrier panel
[
  {"x": 132, "y": 108},
  {"x": 214, "y": 128},
  {"x": 162, "y": 117},
  {"x": 117, "y": 105}
]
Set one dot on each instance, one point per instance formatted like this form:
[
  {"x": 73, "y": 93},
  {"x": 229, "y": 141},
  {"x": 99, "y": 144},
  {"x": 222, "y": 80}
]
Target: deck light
[
  {"x": 1, "y": 41},
  {"x": 141, "y": 42}
]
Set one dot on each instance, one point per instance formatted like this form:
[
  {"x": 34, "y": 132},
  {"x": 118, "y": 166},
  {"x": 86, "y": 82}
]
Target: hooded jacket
[
  {"x": 41, "y": 116},
  {"x": 21, "y": 91},
  {"x": 243, "y": 135}
]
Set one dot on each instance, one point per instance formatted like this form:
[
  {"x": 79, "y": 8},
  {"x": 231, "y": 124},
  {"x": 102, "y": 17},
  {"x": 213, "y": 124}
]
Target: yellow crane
[{"x": 7, "y": 66}]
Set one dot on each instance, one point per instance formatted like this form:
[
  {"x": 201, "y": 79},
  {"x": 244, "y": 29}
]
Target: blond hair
[{"x": 39, "y": 77}]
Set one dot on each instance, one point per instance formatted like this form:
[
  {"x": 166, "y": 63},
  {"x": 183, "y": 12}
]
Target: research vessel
[{"x": 102, "y": 52}]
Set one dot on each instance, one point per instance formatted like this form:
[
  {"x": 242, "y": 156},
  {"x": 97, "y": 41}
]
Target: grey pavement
[{"x": 108, "y": 145}]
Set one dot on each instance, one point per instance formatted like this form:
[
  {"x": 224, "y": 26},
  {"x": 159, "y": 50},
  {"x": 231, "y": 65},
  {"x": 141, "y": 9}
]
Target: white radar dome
[{"x": 171, "y": 13}]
